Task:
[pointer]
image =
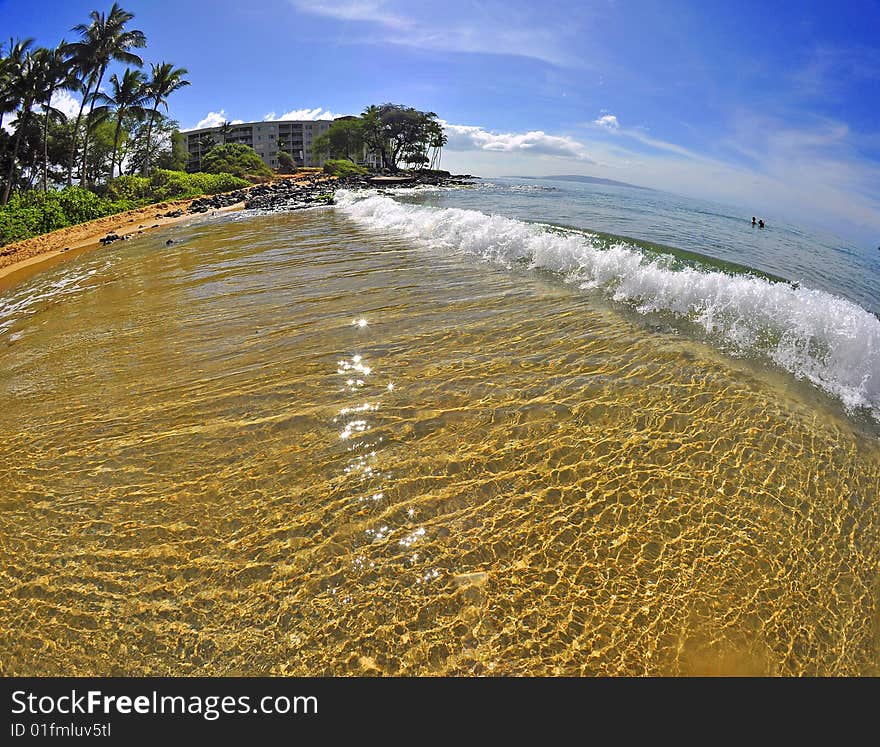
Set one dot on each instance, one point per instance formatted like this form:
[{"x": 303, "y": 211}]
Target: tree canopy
[
  {"x": 236, "y": 159},
  {"x": 118, "y": 103},
  {"x": 344, "y": 139},
  {"x": 396, "y": 135},
  {"x": 401, "y": 134}
]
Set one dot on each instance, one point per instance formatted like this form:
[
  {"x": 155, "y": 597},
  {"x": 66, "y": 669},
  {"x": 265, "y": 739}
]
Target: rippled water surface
[{"x": 290, "y": 445}]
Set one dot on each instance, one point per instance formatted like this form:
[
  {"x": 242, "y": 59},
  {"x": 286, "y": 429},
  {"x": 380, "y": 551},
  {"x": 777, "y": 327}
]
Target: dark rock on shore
[
  {"x": 290, "y": 194},
  {"x": 215, "y": 202}
]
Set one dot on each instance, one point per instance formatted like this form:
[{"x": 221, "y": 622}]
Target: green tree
[
  {"x": 236, "y": 159},
  {"x": 58, "y": 75},
  {"x": 344, "y": 139},
  {"x": 206, "y": 142},
  {"x": 25, "y": 86},
  {"x": 105, "y": 39},
  {"x": 176, "y": 156},
  {"x": 374, "y": 134},
  {"x": 225, "y": 130},
  {"x": 166, "y": 80},
  {"x": 127, "y": 97},
  {"x": 27, "y": 132},
  {"x": 398, "y": 133},
  {"x": 436, "y": 140},
  {"x": 102, "y": 130},
  {"x": 286, "y": 162},
  {"x": 10, "y": 68}
]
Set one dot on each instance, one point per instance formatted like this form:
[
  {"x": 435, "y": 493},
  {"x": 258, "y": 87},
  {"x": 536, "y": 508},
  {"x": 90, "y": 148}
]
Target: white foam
[{"x": 814, "y": 335}]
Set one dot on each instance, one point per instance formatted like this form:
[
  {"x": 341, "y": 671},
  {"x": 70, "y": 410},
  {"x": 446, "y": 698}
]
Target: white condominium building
[{"x": 266, "y": 138}]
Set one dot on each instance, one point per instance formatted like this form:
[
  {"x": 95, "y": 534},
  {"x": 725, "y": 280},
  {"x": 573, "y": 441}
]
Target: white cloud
[
  {"x": 215, "y": 119},
  {"x": 811, "y": 173},
  {"x": 302, "y": 114},
  {"x": 63, "y": 101},
  {"x": 66, "y": 103},
  {"x": 469, "y": 137},
  {"x": 608, "y": 121}
]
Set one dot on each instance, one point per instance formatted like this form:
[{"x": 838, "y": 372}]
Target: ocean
[{"x": 525, "y": 427}]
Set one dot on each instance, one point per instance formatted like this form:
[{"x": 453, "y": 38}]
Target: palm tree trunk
[
  {"x": 149, "y": 135},
  {"x": 116, "y": 143},
  {"x": 46, "y": 140},
  {"x": 76, "y": 133},
  {"x": 25, "y": 111},
  {"x": 85, "y": 156}
]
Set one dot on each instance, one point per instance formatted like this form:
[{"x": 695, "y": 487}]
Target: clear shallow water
[
  {"x": 211, "y": 467},
  {"x": 813, "y": 334},
  {"x": 796, "y": 253}
]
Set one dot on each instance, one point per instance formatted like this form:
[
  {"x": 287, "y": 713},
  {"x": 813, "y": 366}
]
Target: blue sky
[{"x": 769, "y": 106}]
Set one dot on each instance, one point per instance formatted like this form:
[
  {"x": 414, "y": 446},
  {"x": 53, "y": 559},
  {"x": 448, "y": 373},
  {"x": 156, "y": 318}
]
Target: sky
[{"x": 769, "y": 107}]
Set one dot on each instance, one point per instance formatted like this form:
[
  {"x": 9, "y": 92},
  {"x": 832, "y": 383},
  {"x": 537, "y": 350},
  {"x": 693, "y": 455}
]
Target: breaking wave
[{"x": 814, "y": 335}]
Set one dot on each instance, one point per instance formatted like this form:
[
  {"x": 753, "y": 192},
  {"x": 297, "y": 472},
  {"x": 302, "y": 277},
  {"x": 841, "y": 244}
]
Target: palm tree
[
  {"x": 436, "y": 140},
  {"x": 128, "y": 97},
  {"x": 25, "y": 88},
  {"x": 225, "y": 130},
  {"x": 166, "y": 80},
  {"x": 103, "y": 40},
  {"x": 57, "y": 74},
  {"x": 10, "y": 67}
]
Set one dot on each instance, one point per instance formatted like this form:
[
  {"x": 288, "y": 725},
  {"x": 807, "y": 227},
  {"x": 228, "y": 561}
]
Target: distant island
[{"x": 585, "y": 179}]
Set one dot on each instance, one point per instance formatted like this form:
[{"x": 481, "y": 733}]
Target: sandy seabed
[{"x": 22, "y": 258}]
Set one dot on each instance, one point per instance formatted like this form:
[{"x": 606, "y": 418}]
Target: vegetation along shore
[{"x": 121, "y": 167}]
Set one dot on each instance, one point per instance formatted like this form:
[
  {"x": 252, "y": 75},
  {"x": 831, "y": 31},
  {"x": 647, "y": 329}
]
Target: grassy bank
[{"x": 32, "y": 213}]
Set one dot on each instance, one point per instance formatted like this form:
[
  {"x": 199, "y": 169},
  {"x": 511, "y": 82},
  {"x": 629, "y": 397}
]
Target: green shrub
[
  {"x": 236, "y": 159},
  {"x": 31, "y": 213},
  {"x": 176, "y": 185},
  {"x": 211, "y": 184},
  {"x": 286, "y": 164},
  {"x": 78, "y": 205},
  {"x": 129, "y": 188},
  {"x": 343, "y": 167}
]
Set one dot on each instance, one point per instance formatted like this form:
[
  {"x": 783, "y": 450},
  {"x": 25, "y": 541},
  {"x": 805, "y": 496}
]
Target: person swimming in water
[
  {"x": 761, "y": 223},
  {"x": 753, "y": 220}
]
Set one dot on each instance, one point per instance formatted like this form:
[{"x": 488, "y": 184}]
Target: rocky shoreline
[
  {"x": 286, "y": 193},
  {"x": 295, "y": 194},
  {"x": 289, "y": 194}
]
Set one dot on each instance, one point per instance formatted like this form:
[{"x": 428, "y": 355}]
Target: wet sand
[{"x": 23, "y": 258}]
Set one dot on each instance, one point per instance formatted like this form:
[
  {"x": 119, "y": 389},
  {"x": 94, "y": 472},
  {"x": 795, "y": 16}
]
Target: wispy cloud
[
  {"x": 501, "y": 35},
  {"x": 302, "y": 114},
  {"x": 355, "y": 10},
  {"x": 470, "y": 137},
  {"x": 830, "y": 70},
  {"x": 610, "y": 123}
]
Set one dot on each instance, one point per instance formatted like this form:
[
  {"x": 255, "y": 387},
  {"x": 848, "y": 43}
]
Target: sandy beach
[{"x": 22, "y": 258}]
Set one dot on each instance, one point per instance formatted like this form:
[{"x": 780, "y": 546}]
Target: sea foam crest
[{"x": 829, "y": 341}]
